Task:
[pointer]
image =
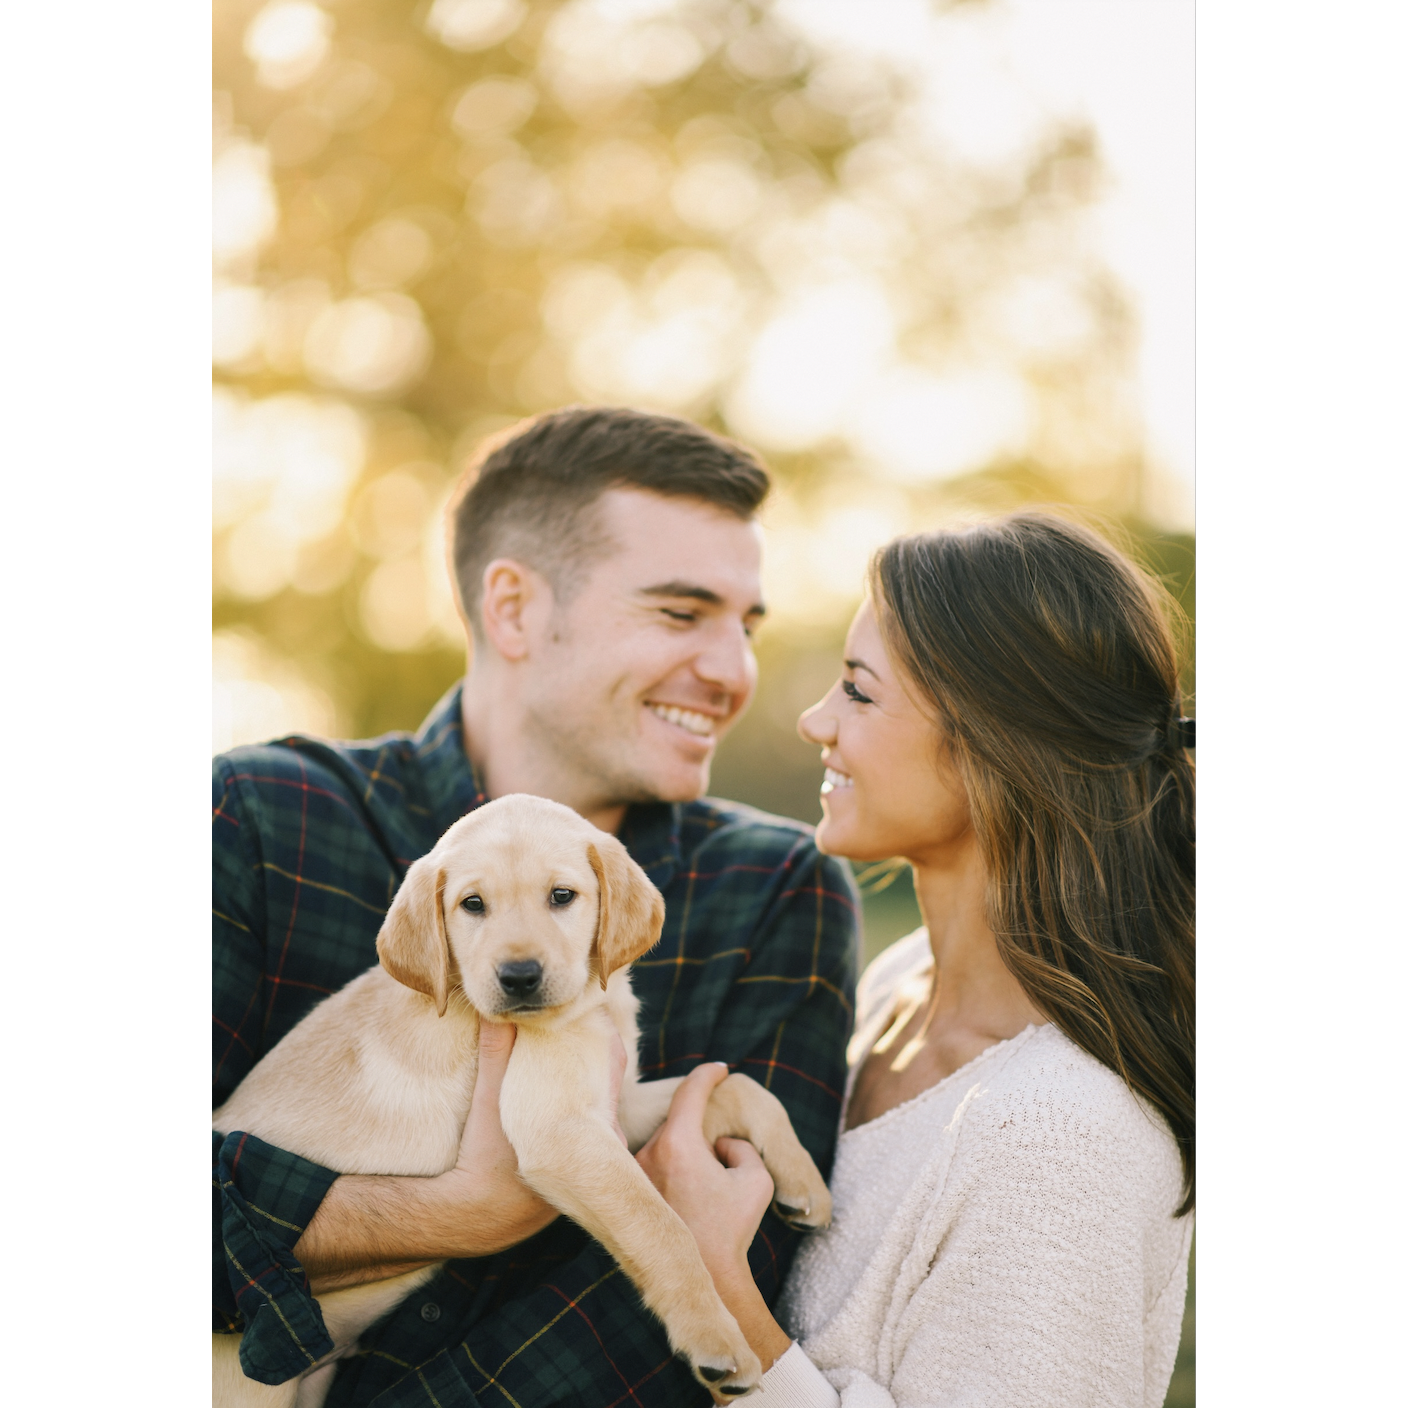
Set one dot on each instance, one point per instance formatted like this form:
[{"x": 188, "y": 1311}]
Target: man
[{"x": 608, "y": 563}]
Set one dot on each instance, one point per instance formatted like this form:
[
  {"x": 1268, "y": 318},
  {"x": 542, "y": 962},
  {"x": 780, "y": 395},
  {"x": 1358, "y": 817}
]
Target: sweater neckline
[{"x": 915, "y": 1100}]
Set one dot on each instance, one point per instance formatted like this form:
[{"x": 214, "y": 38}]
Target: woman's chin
[{"x": 842, "y": 838}]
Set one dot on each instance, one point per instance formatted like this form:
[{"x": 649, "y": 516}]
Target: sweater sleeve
[
  {"x": 795, "y": 1382},
  {"x": 1029, "y": 1276}
]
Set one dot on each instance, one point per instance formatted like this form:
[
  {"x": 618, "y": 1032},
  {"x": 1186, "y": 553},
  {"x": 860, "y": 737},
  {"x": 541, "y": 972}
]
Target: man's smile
[{"x": 701, "y": 725}]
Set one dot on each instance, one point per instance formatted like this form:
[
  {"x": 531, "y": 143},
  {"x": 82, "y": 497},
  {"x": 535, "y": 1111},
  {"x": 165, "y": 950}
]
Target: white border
[
  {"x": 106, "y": 704},
  {"x": 1301, "y": 310}
]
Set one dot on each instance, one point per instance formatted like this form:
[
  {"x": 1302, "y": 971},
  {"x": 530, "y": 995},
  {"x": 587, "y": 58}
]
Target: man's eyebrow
[
  {"x": 860, "y": 665},
  {"x": 692, "y": 591}
]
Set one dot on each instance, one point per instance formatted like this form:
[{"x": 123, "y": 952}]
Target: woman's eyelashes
[{"x": 853, "y": 693}]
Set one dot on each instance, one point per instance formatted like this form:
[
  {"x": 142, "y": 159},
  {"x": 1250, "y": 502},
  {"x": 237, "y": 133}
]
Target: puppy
[{"x": 524, "y": 913}]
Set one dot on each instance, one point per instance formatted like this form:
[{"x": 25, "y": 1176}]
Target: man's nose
[
  {"x": 521, "y": 977},
  {"x": 728, "y": 662}
]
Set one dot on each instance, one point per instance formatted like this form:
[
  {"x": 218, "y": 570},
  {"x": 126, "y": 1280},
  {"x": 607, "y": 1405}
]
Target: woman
[{"x": 1014, "y": 1176}]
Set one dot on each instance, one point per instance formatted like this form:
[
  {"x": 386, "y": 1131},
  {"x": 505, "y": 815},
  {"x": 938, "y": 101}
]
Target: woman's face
[{"x": 890, "y": 788}]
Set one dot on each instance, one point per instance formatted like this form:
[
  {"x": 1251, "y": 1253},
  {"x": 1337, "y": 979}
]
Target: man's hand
[
  {"x": 370, "y": 1227},
  {"x": 483, "y": 1191}
]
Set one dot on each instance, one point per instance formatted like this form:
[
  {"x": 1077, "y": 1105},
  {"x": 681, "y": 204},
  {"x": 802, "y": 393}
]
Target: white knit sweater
[{"x": 1004, "y": 1239}]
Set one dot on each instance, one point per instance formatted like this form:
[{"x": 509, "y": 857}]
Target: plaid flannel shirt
[{"x": 756, "y": 967}]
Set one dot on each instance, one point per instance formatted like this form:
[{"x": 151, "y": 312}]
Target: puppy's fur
[{"x": 379, "y": 1077}]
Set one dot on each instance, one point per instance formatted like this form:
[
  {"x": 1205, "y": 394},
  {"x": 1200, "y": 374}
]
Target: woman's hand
[{"x": 720, "y": 1194}]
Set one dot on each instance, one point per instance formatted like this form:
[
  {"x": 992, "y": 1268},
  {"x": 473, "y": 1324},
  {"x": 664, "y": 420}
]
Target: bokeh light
[{"x": 287, "y": 41}]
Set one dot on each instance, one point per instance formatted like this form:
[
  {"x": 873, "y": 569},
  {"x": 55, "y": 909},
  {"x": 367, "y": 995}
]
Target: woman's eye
[
  {"x": 561, "y": 895},
  {"x": 473, "y": 904},
  {"x": 687, "y": 617},
  {"x": 853, "y": 693}
]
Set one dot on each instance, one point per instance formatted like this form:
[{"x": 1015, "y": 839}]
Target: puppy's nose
[{"x": 520, "y": 978}]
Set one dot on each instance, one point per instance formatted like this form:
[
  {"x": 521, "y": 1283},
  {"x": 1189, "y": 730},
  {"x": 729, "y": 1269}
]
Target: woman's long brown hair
[{"x": 1049, "y": 660}]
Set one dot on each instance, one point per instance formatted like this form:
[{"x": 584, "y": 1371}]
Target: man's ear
[
  {"x": 630, "y": 911},
  {"x": 510, "y": 593},
  {"x": 412, "y": 945}
]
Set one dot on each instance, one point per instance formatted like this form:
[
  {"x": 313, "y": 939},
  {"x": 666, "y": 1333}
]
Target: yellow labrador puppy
[{"x": 522, "y": 913}]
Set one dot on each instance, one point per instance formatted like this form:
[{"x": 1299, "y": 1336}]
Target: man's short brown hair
[{"x": 528, "y": 491}]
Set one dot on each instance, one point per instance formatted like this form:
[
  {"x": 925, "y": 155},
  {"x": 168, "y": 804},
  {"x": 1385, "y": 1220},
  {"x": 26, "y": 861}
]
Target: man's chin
[
  {"x": 685, "y": 790},
  {"x": 678, "y": 784}
]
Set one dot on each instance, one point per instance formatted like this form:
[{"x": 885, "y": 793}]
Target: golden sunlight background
[{"x": 862, "y": 237}]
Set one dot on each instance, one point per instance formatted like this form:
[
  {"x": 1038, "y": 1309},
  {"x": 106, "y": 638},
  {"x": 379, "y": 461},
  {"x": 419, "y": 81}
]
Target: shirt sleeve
[
  {"x": 260, "y": 1290},
  {"x": 263, "y": 1196}
]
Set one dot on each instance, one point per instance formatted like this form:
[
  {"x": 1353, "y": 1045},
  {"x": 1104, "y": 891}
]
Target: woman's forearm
[{"x": 766, "y": 1338}]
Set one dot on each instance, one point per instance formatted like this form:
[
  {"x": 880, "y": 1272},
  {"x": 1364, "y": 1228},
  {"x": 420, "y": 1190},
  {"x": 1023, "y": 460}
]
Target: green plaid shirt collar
[{"x": 448, "y": 785}]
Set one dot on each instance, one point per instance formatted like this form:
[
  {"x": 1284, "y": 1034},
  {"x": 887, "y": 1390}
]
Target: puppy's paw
[
  {"x": 721, "y": 1359},
  {"x": 728, "y": 1375},
  {"x": 802, "y": 1200},
  {"x": 800, "y": 1217}
]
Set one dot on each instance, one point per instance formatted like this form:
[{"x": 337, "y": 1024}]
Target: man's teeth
[
  {"x": 687, "y": 719},
  {"x": 833, "y": 780}
]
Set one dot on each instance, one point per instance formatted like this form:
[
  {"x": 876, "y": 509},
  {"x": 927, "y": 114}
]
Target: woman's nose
[{"x": 818, "y": 724}]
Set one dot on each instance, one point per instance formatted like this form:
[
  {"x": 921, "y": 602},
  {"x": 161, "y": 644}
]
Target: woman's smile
[{"x": 834, "y": 778}]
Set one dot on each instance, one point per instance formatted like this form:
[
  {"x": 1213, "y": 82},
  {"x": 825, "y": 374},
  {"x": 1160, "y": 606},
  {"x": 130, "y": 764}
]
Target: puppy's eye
[
  {"x": 561, "y": 896},
  {"x": 473, "y": 904}
]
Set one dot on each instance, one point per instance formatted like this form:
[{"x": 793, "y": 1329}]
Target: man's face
[{"x": 634, "y": 680}]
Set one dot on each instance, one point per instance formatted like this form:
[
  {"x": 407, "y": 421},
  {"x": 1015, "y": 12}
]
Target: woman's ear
[
  {"x": 412, "y": 945},
  {"x": 630, "y": 910}
]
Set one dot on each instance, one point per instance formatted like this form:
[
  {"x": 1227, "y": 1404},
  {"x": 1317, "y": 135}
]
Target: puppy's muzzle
[{"x": 522, "y": 982}]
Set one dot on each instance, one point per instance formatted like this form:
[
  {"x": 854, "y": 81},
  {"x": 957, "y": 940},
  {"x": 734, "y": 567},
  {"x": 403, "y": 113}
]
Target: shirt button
[{"x": 430, "y": 1312}]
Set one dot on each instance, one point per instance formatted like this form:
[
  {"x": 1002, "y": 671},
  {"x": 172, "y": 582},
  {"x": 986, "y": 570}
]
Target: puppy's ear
[
  {"x": 631, "y": 910},
  {"x": 413, "y": 946}
]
